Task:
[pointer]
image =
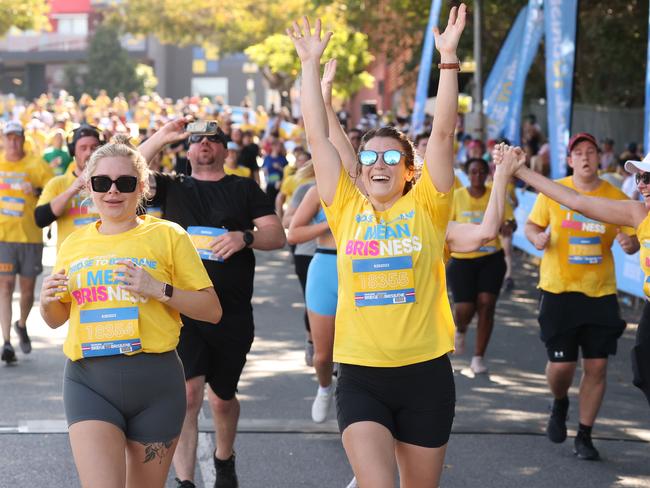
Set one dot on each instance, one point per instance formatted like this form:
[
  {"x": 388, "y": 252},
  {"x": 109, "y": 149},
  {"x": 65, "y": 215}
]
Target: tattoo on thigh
[{"x": 155, "y": 450}]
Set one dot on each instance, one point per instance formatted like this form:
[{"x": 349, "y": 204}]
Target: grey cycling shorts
[{"x": 143, "y": 395}]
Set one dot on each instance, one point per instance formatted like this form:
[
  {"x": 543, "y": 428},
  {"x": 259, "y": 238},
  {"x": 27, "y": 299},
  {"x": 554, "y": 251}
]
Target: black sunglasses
[
  {"x": 103, "y": 183},
  {"x": 197, "y": 138},
  {"x": 645, "y": 177}
]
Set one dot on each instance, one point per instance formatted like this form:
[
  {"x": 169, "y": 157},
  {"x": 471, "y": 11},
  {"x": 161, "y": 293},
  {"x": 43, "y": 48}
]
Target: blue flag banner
[
  {"x": 498, "y": 90},
  {"x": 533, "y": 31},
  {"x": 646, "y": 128},
  {"x": 417, "y": 120},
  {"x": 560, "y": 40}
]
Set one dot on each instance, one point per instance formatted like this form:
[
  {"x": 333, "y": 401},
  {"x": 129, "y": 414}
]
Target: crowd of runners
[{"x": 157, "y": 219}]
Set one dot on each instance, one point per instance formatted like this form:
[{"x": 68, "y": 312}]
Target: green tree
[
  {"x": 109, "y": 65},
  {"x": 23, "y": 14}
]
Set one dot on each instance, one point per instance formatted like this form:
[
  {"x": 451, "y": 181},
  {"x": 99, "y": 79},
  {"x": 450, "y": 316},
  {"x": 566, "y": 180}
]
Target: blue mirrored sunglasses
[{"x": 391, "y": 157}]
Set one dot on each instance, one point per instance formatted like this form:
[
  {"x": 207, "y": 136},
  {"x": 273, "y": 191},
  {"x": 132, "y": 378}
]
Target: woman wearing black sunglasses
[
  {"x": 122, "y": 283},
  {"x": 630, "y": 213},
  {"x": 394, "y": 327}
]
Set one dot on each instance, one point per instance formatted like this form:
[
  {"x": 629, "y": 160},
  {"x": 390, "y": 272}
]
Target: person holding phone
[
  {"x": 231, "y": 216},
  {"x": 122, "y": 284}
]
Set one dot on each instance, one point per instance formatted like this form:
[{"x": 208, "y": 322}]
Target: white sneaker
[
  {"x": 321, "y": 406},
  {"x": 459, "y": 343},
  {"x": 353, "y": 484},
  {"x": 478, "y": 365}
]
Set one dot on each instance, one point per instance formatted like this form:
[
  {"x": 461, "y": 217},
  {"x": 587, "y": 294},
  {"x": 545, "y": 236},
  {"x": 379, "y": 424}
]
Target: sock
[
  {"x": 584, "y": 430},
  {"x": 562, "y": 402},
  {"x": 324, "y": 390}
]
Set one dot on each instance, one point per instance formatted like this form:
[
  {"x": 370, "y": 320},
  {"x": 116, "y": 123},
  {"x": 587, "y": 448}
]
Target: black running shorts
[
  {"x": 143, "y": 395},
  {"x": 571, "y": 321},
  {"x": 217, "y": 351},
  {"x": 416, "y": 403},
  {"x": 469, "y": 277}
]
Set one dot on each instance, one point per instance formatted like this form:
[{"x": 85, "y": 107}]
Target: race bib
[
  {"x": 12, "y": 206},
  {"x": 645, "y": 264},
  {"x": 585, "y": 250},
  {"x": 83, "y": 212},
  {"x": 202, "y": 237},
  {"x": 109, "y": 331},
  {"x": 383, "y": 281}
]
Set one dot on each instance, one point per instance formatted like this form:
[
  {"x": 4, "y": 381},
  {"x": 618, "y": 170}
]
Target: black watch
[{"x": 249, "y": 237}]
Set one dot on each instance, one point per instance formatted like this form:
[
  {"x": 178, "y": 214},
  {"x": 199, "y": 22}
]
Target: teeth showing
[{"x": 380, "y": 178}]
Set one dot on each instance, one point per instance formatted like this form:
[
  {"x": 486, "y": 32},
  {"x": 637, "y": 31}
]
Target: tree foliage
[
  {"x": 109, "y": 65},
  {"x": 23, "y": 14}
]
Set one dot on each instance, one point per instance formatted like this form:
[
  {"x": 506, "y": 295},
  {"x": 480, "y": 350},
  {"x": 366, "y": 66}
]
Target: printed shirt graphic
[
  {"x": 17, "y": 222},
  {"x": 79, "y": 211},
  {"x": 578, "y": 257},
  {"x": 105, "y": 319},
  {"x": 643, "y": 233},
  {"x": 393, "y": 308},
  {"x": 469, "y": 210}
]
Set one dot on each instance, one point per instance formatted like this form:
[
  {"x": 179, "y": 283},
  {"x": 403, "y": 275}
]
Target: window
[{"x": 72, "y": 24}]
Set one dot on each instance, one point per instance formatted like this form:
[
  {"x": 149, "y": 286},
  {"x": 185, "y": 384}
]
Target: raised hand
[
  {"x": 512, "y": 160},
  {"x": 447, "y": 42},
  {"x": 310, "y": 47},
  {"x": 327, "y": 81}
]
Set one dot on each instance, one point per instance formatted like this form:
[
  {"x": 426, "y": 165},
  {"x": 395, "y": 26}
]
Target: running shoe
[
  {"x": 584, "y": 448},
  {"x": 556, "y": 427},
  {"x": 459, "y": 343},
  {"x": 25, "y": 342},
  {"x": 478, "y": 365},
  {"x": 226, "y": 474},
  {"x": 321, "y": 406},
  {"x": 8, "y": 353},
  {"x": 353, "y": 483},
  {"x": 184, "y": 483},
  {"x": 309, "y": 353}
]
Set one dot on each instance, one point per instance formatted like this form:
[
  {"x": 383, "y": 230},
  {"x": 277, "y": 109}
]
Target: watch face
[{"x": 248, "y": 238}]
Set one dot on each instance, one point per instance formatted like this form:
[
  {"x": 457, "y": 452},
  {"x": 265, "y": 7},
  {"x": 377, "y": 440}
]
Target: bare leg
[
  {"x": 419, "y": 466},
  {"x": 592, "y": 389},
  {"x": 26, "y": 286},
  {"x": 185, "y": 456},
  {"x": 322, "y": 332},
  {"x": 7, "y": 285},
  {"x": 486, "y": 305},
  {"x": 370, "y": 448},
  {"x": 148, "y": 463},
  {"x": 98, "y": 450},
  {"x": 560, "y": 377},
  {"x": 225, "y": 414}
]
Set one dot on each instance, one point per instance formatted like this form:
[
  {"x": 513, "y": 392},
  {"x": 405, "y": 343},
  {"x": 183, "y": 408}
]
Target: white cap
[
  {"x": 638, "y": 166},
  {"x": 13, "y": 127}
]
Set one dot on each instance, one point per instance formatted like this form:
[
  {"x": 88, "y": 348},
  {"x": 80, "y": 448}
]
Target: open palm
[
  {"x": 309, "y": 46},
  {"x": 447, "y": 42}
]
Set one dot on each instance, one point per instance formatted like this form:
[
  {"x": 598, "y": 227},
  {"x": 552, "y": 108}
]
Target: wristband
[{"x": 455, "y": 66}]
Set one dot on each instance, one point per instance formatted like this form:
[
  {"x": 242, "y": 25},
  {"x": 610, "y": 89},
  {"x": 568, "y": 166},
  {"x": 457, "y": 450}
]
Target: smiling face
[
  {"x": 385, "y": 183},
  {"x": 584, "y": 160},
  {"x": 115, "y": 206}
]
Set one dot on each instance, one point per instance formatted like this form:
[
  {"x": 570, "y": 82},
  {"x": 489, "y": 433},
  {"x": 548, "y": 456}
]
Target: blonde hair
[
  {"x": 120, "y": 147},
  {"x": 307, "y": 171}
]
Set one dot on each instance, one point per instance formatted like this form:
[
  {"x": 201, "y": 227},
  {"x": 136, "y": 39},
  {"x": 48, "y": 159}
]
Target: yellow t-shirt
[
  {"x": 104, "y": 318},
  {"x": 242, "y": 171},
  {"x": 17, "y": 222},
  {"x": 469, "y": 210},
  {"x": 578, "y": 257},
  {"x": 643, "y": 233},
  {"x": 79, "y": 211},
  {"x": 393, "y": 308}
]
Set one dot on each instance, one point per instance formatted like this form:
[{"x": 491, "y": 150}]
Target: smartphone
[{"x": 202, "y": 127}]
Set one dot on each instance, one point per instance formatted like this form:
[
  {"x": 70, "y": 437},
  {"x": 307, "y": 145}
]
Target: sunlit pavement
[{"x": 497, "y": 440}]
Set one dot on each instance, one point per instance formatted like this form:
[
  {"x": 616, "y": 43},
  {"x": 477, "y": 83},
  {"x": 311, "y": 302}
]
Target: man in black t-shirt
[{"x": 240, "y": 215}]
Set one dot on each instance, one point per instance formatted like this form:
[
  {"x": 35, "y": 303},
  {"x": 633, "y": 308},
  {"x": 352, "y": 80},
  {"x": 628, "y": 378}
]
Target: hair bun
[{"x": 122, "y": 139}]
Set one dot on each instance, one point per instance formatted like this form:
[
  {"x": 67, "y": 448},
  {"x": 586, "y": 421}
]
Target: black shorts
[
  {"x": 469, "y": 277},
  {"x": 217, "y": 351},
  {"x": 415, "y": 402},
  {"x": 641, "y": 354},
  {"x": 571, "y": 321}
]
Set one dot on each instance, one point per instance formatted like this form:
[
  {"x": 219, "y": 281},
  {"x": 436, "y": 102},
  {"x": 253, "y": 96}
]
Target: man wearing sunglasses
[
  {"x": 578, "y": 305},
  {"x": 239, "y": 211},
  {"x": 22, "y": 176},
  {"x": 61, "y": 200}
]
